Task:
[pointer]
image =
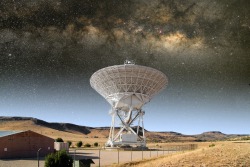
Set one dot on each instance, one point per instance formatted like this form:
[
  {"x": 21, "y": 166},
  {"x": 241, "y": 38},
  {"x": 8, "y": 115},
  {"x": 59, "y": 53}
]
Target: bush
[
  {"x": 87, "y": 145},
  {"x": 59, "y": 139},
  {"x": 69, "y": 142},
  {"x": 96, "y": 144},
  {"x": 79, "y": 144},
  {"x": 58, "y": 159},
  {"x": 212, "y": 145},
  {"x": 245, "y": 138}
]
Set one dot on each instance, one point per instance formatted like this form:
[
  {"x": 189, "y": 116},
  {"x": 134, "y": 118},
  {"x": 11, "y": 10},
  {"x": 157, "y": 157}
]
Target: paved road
[{"x": 107, "y": 157}]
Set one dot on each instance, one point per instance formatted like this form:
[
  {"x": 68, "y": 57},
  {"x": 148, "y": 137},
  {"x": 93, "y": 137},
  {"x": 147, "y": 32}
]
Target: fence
[{"x": 102, "y": 157}]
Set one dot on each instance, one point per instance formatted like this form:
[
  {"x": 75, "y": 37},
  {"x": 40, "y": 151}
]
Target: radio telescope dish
[{"x": 127, "y": 88}]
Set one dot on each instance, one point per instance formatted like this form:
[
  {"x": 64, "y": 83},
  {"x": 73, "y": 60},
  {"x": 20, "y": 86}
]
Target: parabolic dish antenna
[{"x": 127, "y": 88}]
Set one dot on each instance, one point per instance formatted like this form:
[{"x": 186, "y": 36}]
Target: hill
[
  {"x": 75, "y": 133},
  {"x": 67, "y": 127},
  {"x": 66, "y": 131},
  {"x": 224, "y": 153}
]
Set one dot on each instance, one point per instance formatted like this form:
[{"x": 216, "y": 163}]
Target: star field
[{"x": 49, "y": 50}]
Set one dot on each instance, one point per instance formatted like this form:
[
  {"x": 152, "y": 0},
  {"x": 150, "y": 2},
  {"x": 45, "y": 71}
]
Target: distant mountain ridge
[
  {"x": 167, "y": 136},
  {"x": 67, "y": 127}
]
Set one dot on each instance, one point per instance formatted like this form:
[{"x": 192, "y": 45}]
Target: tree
[
  {"x": 96, "y": 144},
  {"x": 79, "y": 144},
  {"x": 58, "y": 159},
  {"x": 69, "y": 142},
  {"x": 59, "y": 139},
  {"x": 87, "y": 145}
]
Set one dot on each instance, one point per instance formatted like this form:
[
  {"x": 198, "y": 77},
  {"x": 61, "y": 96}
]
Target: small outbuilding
[
  {"x": 61, "y": 146},
  {"x": 24, "y": 144}
]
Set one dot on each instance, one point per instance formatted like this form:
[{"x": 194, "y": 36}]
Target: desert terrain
[
  {"x": 221, "y": 154},
  {"x": 218, "y": 154},
  {"x": 54, "y": 130},
  {"x": 90, "y": 135},
  {"x": 214, "y": 148}
]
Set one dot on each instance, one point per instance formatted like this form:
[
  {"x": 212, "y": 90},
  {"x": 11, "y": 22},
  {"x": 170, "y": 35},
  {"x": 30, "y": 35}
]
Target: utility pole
[{"x": 38, "y": 156}]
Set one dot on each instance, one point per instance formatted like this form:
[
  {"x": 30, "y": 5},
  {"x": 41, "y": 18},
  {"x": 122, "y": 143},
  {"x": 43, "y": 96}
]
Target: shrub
[
  {"x": 96, "y": 144},
  {"x": 69, "y": 142},
  {"x": 245, "y": 138},
  {"x": 59, "y": 139},
  {"x": 79, "y": 144},
  {"x": 212, "y": 145},
  {"x": 58, "y": 159},
  {"x": 50, "y": 160},
  {"x": 87, "y": 145}
]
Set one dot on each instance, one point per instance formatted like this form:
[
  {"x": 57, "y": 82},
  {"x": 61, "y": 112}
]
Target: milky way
[{"x": 56, "y": 45}]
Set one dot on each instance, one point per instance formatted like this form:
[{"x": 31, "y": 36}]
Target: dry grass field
[{"x": 222, "y": 154}]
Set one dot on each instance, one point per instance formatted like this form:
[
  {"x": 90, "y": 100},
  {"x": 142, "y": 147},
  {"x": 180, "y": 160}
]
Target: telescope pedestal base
[{"x": 127, "y": 135}]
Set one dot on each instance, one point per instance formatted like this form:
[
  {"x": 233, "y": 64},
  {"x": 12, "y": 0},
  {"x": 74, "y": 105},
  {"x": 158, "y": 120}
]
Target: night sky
[{"x": 50, "y": 48}]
